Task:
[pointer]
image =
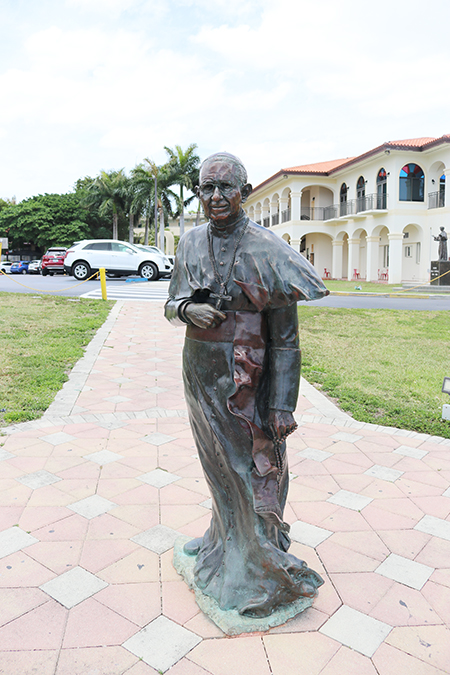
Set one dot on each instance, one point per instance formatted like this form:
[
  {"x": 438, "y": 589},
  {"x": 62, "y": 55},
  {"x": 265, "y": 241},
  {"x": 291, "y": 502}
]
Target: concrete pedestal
[
  {"x": 438, "y": 268},
  {"x": 230, "y": 621}
]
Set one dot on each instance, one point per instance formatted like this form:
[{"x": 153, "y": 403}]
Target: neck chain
[{"x": 222, "y": 295}]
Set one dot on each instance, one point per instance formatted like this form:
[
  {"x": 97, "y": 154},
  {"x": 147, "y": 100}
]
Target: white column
[
  {"x": 295, "y": 243},
  {"x": 353, "y": 257},
  {"x": 264, "y": 213},
  {"x": 395, "y": 257},
  {"x": 447, "y": 187},
  {"x": 257, "y": 214},
  {"x": 296, "y": 200},
  {"x": 337, "y": 248},
  {"x": 373, "y": 246}
]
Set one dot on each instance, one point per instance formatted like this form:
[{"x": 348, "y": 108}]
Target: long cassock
[{"x": 233, "y": 375}]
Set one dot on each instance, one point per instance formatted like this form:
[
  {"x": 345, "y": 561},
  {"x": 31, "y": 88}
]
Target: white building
[{"x": 370, "y": 217}]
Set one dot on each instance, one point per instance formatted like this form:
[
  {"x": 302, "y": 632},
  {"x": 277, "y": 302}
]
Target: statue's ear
[
  {"x": 196, "y": 191},
  {"x": 246, "y": 191}
]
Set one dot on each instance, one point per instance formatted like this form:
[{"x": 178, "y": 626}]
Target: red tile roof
[
  {"x": 412, "y": 142},
  {"x": 327, "y": 168},
  {"x": 319, "y": 167}
]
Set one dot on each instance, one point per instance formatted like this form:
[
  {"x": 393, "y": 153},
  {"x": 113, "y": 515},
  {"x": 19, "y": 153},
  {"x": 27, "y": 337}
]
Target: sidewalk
[{"x": 94, "y": 494}]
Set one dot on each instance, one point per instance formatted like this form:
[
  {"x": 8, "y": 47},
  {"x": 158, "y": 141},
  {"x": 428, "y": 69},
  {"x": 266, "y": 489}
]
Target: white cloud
[{"x": 93, "y": 84}]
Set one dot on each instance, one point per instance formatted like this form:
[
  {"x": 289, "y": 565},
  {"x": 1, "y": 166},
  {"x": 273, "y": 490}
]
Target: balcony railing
[
  {"x": 436, "y": 200},
  {"x": 372, "y": 202},
  {"x": 285, "y": 215}
]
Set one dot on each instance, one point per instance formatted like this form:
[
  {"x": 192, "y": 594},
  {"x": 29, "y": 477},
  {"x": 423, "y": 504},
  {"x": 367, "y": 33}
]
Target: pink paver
[
  {"x": 91, "y": 624},
  {"x": 41, "y": 628}
]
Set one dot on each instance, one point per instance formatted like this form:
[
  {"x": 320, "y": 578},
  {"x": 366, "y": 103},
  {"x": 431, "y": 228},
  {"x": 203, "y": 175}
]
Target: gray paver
[
  {"x": 356, "y": 630},
  {"x": 384, "y": 473},
  {"x": 4, "y": 454},
  {"x": 74, "y": 586},
  {"x": 162, "y": 643},
  {"x": 14, "y": 539},
  {"x": 307, "y": 534},
  {"x": 158, "y": 539},
  {"x": 405, "y": 571},
  {"x": 158, "y": 478},
  {"x": 38, "y": 479},
  {"x": 407, "y": 451},
  {"x": 58, "y": 438},
  {"x": 314, "y": 454},
  {"x": 103, "y": 457},
  {"x": 435, "y": 526},
  {"x": 350, "y": 500},
  {"x": 158, "y": 438},
  {"x": 346, "y": 436},
  {"x": 91, "y": 507}
]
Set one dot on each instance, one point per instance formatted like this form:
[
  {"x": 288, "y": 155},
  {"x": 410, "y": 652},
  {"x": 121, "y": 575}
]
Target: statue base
[
  {"x": 230, "y": 621},
  {"x": 439, "y": 267}
]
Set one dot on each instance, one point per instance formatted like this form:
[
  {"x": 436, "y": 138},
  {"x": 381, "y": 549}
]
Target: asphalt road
[{"x": 70, "y": 287}]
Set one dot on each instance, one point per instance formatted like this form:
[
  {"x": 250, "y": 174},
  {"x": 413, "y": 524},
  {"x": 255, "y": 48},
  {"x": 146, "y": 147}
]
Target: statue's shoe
[{"x": 193, "y": 547}]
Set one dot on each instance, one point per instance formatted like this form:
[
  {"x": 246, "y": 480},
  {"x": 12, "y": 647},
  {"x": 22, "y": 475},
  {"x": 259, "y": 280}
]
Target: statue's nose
[{"x": 217, "y": 194}]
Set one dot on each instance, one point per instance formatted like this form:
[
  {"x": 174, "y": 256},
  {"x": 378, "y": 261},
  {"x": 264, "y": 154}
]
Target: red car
[{"x": 53, "y": 261}]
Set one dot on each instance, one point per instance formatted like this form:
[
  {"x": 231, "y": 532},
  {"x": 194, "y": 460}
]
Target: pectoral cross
[{"x": 220, "y": 297}]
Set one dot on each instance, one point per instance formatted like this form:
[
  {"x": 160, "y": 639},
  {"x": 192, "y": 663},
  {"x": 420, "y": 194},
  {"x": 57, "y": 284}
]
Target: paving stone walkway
[{"x": 94, "y": 494}]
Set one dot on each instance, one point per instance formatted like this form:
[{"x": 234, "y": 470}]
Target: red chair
[
  {"x": 355, "y": 274},
  {"x": 326, "y": 274}
]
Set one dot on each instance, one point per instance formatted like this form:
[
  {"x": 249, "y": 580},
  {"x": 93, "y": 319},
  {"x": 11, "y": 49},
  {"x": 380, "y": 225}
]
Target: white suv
[{"x": 117, "y": 257}]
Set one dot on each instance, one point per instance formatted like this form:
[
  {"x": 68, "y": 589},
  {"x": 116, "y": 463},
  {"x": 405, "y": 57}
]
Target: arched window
[
  {"x": 442, "y": 190},
  {"x": 361, "y": 194},
  {"x": 411, "y": 183},
  {"x": 382, "y": 189},
  {"x": 343, "y": 200}
]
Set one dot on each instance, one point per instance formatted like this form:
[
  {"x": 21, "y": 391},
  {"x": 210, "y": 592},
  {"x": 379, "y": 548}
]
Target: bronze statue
[
  {"x": 236, "y": 285},
  {"x": 442, "y": 239}
]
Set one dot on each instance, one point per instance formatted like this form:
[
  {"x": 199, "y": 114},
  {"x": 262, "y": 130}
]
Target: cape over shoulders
[{"x": 268, "y": 270}]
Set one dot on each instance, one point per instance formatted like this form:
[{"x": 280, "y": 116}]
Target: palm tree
[
  {"x": 109, "y": 192},
  {"x": 185, "y": 166},
  {"x": 147, "y": 178}
]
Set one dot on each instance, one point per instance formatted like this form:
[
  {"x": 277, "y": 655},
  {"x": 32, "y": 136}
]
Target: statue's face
[{"x": 220, "y": 192}]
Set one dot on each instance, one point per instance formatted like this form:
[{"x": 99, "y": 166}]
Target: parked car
[
  {"x": 155, "y": 248},
  {"x": 117, "y": 257},
  {"x": 53, "y": 261},
  {"x": 34, "y": 267},
  {"x": 5, "y": 266},
  {"x": 20, "y": 267}
]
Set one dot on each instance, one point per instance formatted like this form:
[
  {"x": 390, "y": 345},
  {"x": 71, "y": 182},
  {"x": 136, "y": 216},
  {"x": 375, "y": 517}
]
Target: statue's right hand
[{"x": 204, "y": 315}]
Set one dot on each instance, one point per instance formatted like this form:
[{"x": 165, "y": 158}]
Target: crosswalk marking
[{"x": 146, "y": 291}]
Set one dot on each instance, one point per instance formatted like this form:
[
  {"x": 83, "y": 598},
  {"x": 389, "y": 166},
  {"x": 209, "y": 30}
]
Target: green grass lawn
[
  {"x": 365, "y": 286},
  {"x": 41, "y": 338},
  {"x": 381, "y": 366}
]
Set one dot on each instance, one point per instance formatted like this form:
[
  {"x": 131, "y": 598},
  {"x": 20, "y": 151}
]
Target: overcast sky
[{"x": 87, "y": 85}]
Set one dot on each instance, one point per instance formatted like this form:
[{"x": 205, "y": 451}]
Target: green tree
[
  {"x": 44, "y": 220},
  {"x": 185, "y": 166},
  {"x": 108, "y": 193}
]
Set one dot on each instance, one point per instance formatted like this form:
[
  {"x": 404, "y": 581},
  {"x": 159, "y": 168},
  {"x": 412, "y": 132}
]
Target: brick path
[{"x": 93, "y": 495}]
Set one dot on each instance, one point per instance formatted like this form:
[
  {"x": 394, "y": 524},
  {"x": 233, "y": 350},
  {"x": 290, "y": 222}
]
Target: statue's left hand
[{"x": 281, "y": 423}]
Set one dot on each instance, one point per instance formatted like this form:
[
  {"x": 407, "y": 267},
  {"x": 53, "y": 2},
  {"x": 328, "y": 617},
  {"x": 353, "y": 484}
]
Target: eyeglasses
[{"x": 225, "y": 188}]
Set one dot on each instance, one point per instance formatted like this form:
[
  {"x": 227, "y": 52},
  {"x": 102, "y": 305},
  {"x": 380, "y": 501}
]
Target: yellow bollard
[{"x": 103, "y": 283}]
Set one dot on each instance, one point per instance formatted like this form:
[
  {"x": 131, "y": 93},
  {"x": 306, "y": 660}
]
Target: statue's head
[{"x": 223, "y": 187}]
